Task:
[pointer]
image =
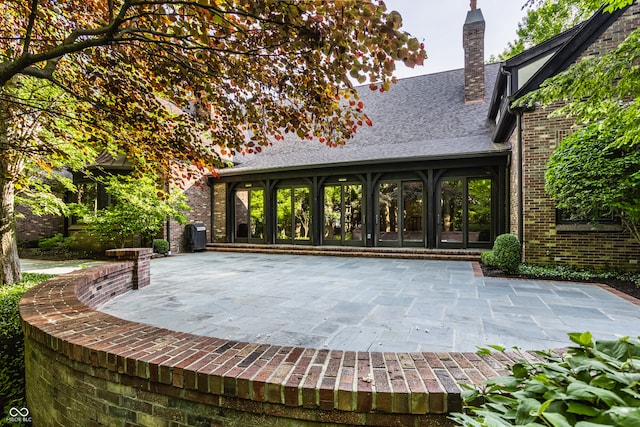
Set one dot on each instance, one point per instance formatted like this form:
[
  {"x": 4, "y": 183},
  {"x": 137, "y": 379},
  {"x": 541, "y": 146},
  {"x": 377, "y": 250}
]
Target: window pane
[
  {"x": 242, "y": 214},
  {"x": 412, "y": 211},
  {"x": 388, "y": 214},
  {"x": 284, "y": 213},
  {"x": 479, "y": 210},
  {"x": 257, "y": 214},
  {"x": 451, "y": 211},
  {"x": 353, "y": 212},
  {"x": 302, "y": 207},
  {"x": 333, "y": 212}
]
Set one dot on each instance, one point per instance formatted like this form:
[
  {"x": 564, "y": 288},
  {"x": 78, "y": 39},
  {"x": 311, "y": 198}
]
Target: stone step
[{"x": 351, "y": 251}]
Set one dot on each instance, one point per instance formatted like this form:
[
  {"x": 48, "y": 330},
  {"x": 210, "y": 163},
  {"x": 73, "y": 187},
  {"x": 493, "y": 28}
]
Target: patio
[{"x": 367, "y": 304}]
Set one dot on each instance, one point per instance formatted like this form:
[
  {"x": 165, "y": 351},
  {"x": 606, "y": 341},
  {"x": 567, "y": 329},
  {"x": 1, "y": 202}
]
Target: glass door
[
  {"x": 343, "y": 214},
  {"x": 400, "y": 213},
  {"x": 294, "y": 215},
  {"x": 465, "y": 217},
  {"x": 249, "y": 216}
]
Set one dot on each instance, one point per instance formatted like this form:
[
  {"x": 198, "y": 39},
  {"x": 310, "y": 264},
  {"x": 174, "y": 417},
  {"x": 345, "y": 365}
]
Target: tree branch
[{"x": 32, "y": 20}]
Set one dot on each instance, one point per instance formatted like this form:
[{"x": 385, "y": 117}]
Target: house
[{"x": 447, "y": 163}]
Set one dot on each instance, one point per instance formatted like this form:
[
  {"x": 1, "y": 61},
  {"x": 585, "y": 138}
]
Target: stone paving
[{"x": 367, "y": 304}]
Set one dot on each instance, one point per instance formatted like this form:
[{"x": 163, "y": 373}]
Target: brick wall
[
  {"x": 87, "y": 368},
  {"x": 33, "y": 227},
  {"x": 199, "y": 199},
  {"x": 544, "y": 241}
]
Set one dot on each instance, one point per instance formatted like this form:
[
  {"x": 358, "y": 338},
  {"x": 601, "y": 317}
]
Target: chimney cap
[{"x": 474, "y": 16}]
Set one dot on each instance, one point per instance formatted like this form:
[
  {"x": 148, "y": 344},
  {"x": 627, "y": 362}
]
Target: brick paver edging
[{"x": 85, "y": 367}]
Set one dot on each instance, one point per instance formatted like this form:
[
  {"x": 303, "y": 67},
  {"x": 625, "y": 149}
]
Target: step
[{"x": 351, "y": 251}]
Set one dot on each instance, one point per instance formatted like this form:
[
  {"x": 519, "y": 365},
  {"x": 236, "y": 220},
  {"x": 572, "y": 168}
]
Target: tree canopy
[
  {"x": 546, "y": 19},
  {"x": 181, "y": 84}
]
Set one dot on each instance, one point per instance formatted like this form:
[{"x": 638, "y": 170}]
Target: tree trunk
[{"x": 10, "y": 272}]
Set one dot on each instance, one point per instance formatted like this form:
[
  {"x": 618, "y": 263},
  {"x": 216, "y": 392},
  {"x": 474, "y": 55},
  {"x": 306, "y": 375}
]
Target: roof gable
[{"x": 525, "y": 72}]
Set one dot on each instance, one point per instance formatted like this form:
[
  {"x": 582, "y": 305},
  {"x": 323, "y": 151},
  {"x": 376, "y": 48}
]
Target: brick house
[
  {"x": 446, "y": 164},
  {"x": 549, "y": 236}
]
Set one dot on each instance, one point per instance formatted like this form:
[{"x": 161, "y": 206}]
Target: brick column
[{"x": 142, "y": 263}]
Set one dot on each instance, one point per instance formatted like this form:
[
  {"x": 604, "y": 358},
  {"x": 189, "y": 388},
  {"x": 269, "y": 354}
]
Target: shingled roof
[{"x": 420, "y": 118}]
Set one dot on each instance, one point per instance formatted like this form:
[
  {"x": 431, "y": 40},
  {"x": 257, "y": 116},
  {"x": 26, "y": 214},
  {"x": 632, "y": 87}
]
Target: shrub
[
  {"x": 507, "y": 253},
  {"x": 488, "y": 259},
  {"x": 12, "y": 342},
  {"x": 592, "y": 384},
  {"x": 160, "y": 246},
  {"x": 55, "y": 242}
]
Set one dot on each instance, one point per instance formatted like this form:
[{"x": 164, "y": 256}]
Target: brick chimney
[{"x": 473, "y": 44}]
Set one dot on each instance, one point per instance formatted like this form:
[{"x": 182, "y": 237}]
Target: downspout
[
  {"x": 520, "y": 180},
  {"x": 520, "y": 190}
]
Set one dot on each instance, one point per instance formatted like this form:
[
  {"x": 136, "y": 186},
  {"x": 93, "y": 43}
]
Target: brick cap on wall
[{"x": 419, "y": 384}]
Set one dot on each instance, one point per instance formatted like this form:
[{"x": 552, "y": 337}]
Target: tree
[
  {"x": 140, "y": 208},
  {"x": 181, "y": 83},
  {"x": 546, "y": 19}
]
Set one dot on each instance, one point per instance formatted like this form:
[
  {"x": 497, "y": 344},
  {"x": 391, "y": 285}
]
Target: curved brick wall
[{"x": 88, "y": 368}]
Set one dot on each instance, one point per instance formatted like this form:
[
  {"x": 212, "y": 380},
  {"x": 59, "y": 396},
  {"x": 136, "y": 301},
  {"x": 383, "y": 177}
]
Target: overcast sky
[{"x": 439, "y": 25}]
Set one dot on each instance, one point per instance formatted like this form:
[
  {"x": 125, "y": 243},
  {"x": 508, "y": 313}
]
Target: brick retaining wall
[{"x": 86, "y": 368}]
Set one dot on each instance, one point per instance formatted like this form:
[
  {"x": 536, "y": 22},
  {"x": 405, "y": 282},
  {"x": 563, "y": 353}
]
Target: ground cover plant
[
  {"x": 592, "y": 384},
  {"x": 12, "y": 342}
]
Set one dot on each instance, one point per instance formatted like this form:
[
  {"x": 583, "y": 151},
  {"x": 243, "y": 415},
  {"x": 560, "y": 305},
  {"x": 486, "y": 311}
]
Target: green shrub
[
  {"x": 160, "y": 246},
  {"x": 56, "y": 242},
  {"x": 592, "y": 384},
  {"x": 572, "y": 273},
  {"x": 507, "y": 253},
  {"x": 488, "y": 259},
  {"x": 12, "y": 342}
]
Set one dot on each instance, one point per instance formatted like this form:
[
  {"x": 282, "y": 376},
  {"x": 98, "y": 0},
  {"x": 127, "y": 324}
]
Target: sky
[{"x": 439, "y": 25}]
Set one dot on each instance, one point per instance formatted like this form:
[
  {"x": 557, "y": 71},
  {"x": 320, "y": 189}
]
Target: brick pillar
[{"x": 142, "y": 263}]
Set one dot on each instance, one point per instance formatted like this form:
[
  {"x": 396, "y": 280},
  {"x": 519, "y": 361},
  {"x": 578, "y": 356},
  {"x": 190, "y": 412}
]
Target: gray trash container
[{"x": 195, "y": 236}]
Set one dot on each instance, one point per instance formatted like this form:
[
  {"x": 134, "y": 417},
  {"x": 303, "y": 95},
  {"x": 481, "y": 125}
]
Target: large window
[
  {"x": 400, "y": 213},
  {"x": 249, "y": 215},
  {"x": 343, "y": 214},
  {"x": 465, "y": 212},
  {"x": 294, "y": 214}
]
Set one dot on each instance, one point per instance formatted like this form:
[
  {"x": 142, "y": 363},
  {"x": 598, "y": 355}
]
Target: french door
[
  {"x": 465, "y": 215},
  {"x": 400, "y": 216},
  {"x": 249, "y": 218},
  {"x": 343, "y": 215}
]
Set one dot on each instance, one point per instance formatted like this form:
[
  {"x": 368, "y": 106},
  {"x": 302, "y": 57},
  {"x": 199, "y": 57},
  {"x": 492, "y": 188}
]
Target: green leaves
[
  {"x": 593, "y": 384},
  {"x": 140, "y": 208},
  {"x": 590, "y": 173}
]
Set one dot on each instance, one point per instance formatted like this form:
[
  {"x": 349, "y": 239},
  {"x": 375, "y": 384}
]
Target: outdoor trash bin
[{"x": 195, "y": 236}]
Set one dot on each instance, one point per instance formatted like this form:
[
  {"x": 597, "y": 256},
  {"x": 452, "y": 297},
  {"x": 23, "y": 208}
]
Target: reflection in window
[
  {"x": 294, "y": 213},
  {"x": 388, "y": 219},
  {"x": 249, "y": 214},
  {"x": 479, "y": 210},
  {"x": 412, "y": 208},
  {"x": 256, "y": 204},
  {"x": 451, "y": 211},
  {"x": 343, "y": 212}
]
